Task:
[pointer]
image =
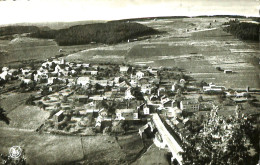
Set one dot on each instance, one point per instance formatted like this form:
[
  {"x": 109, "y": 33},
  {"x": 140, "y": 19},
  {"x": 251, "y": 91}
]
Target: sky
[{"x": 19, "y": 11}]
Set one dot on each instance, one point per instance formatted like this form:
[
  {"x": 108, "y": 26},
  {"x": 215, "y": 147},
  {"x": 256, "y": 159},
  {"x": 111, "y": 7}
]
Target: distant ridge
[{"x": 106, "y": 33}]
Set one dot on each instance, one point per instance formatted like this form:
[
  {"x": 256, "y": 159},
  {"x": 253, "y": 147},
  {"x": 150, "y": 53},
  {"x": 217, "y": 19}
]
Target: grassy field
[
  {"x": 26, "y": 117},
  {"x": 153, "y": 156},
  {"x": 108, "y": 150},
  {"x": 44, "y": 148}
]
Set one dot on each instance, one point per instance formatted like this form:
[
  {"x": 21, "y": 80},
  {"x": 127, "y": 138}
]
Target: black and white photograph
[{"x": 131, "y": 82}]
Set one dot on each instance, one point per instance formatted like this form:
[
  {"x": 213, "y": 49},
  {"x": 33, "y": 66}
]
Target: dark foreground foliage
[
  {"x": 243, "y": 30},
  {"x": 107, "y": 33}
]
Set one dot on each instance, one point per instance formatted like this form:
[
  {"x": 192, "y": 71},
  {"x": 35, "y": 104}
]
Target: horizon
[{"x": 39, "y": 11}]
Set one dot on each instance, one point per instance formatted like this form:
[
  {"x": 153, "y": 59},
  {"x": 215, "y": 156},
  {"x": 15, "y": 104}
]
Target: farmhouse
[
  {"x": 214, "y": 88},
  {"x": 189, "y": 106}
]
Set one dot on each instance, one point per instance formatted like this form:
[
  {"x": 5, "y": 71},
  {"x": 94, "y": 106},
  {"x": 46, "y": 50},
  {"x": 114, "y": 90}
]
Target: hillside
[
  {"x": 10, "y": 30},
  {"x": 107, "y": 33},
  {"x": 244, "y": 30}
]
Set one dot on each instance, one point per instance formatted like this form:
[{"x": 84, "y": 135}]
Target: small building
[
  {"x": 213, "y": 88},
  {"x": 124, "y": 69},
  {"x": 94, "y": 73},
  {"x": 228, "y": 71},
  {"x": 144, "y": 80},
  {"x": 139, "y": 74},
  {"x": 161, "y": 91},
  {"x": 27, "y": 81},
  {"x": 126, "y": 114},
  {"x": 146, "y": 110},
  {"x": 173, "y": 112},
  {"x": 58, "y": 117}
]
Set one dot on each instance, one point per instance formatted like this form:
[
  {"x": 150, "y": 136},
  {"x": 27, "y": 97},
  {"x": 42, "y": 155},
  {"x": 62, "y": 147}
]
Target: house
[
  {"x": 213, "y": 88},
  {"x": 153, "y": 71},
  {"x": 173, "y": 112},
  {"x": 133, "y": 83},
  {"x": 146, "y": 110},
  {"x": 146, "y": 88},
  {"x": 189, "y": 106},
  {"x": 161, "y": 91},
  {"x": 126, "y": 114},
  {"x": 228, "y": 71},
  {"x": 144, "y": 80},
  {"x": 168, "y": 103},
  {"x": 241, "y": 94},
  {"x": 116, "y": 80},
  {"x": 83, "y": 81},
  {"x": 103, "y": 83},
  {"x": 124, "y": 69},
  {"x": 27, "y": 81},
  {"x": 25, "y": 71},
  {"x": 53, "y": 80},
  {"x": 174, "y": 87},
  {"x": 5, "y": 69},
  {"x": 4, "y": 75},
  {"x": 93, "y": 73},
  {"x": 103, "y": 112},
  {"x": 83, "y": 99},
  {"x": 128, "y": 94},
  {"x": 95, "y": 99},
  {"x": 139, "y": 74},
  {"x": 58, "y": 117}
]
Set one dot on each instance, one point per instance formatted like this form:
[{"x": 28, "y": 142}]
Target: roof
[
  {"x": 83, "y": 79},
  {"x": 125, "y": 110},
  {"x": 124, "y": 68},
  {"x": 59, "y": 113},
  {"x": 97, "y": 98}
]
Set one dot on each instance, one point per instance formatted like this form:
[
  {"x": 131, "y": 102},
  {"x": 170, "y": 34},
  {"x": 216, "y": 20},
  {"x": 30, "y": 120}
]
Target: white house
[
  {"x": 139, "y": 74},
  {"x": 4, "y": 75},
  {"x": 146, "y": 110},
  {"x": 124, "y": 69},
  {"x": 94, "y": 72},
  {"x": 27, "y": 81},
  {"x": 83, "y": 81},
  {"x": 174, "y": 87},
  {"x": 128, "y": 94}
]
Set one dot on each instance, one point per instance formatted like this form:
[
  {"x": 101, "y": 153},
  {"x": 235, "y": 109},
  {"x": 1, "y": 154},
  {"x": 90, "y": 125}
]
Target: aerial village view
[{"x": 161, "y": 90}]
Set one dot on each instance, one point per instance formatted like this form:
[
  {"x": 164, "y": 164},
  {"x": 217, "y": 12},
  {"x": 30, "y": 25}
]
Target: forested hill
[
  {"x": 107, "y": 33},
  {"x": 14, "y": 29},
  {"x": 244, "y": 30}
]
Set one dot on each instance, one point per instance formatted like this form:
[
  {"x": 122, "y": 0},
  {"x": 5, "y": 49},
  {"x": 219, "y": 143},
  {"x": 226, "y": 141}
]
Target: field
[{"x": 153, "y": 156}]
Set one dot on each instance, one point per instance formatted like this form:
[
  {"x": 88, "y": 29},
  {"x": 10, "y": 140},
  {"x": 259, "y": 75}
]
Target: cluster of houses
[
  {"x": 98, "y": 94},
  {"x": 87, "y": 90}
]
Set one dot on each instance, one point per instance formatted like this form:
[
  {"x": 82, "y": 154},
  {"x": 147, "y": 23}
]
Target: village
[{"x": 90, "y": 99}]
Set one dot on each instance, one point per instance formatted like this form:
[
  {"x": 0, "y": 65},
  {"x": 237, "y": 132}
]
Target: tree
[
  {"x": 3, "y": 116},
  {"x": 200, "y": 99},
  {"x": 220, "y": 141},
  {"x": 30, "y": 100}
]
